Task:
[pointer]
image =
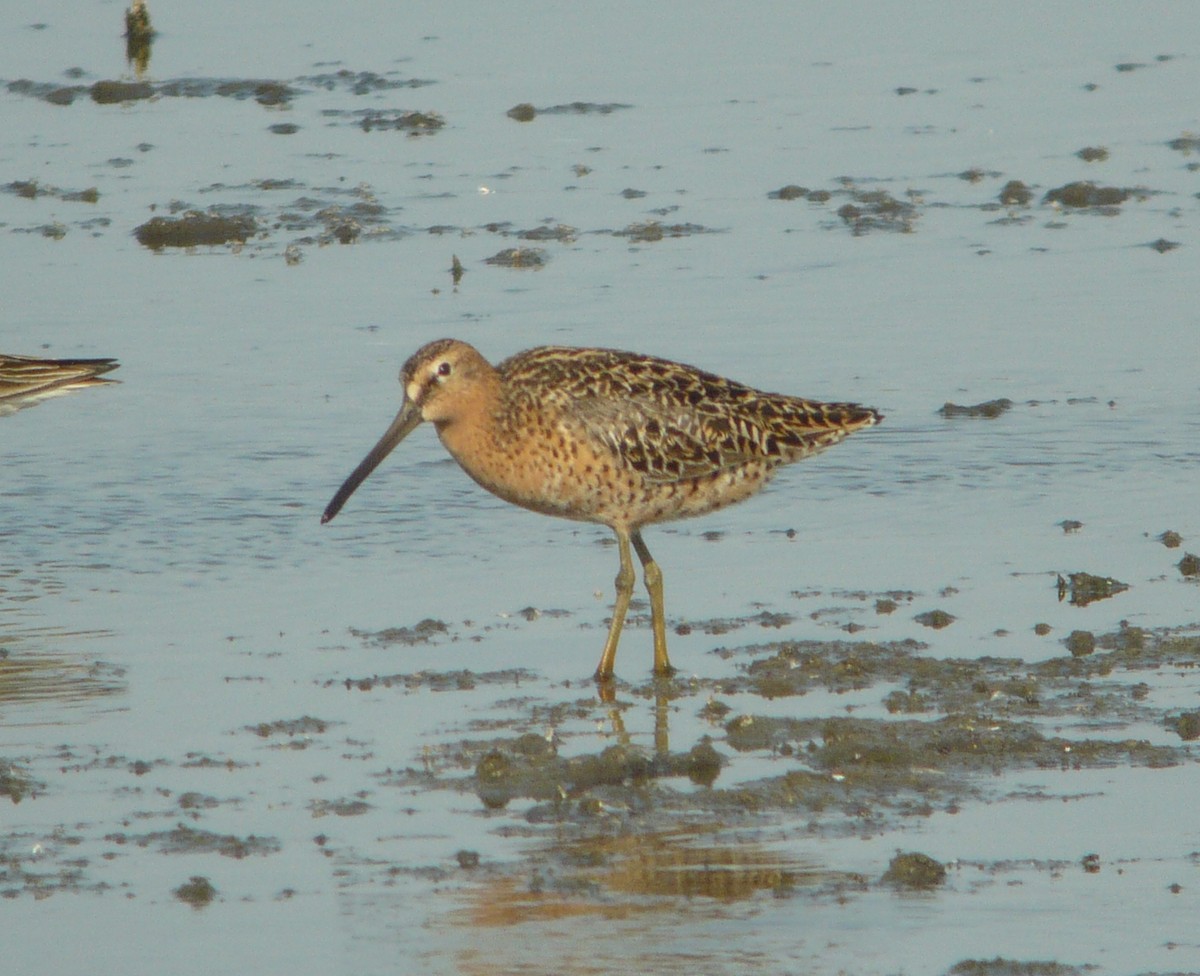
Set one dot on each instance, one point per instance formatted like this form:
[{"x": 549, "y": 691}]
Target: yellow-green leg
[
  {"x": 624, "y": 584},
  {"x": 654, "y": 586}
]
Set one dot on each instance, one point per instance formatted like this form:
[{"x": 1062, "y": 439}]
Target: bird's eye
[{"x": 443, "y": 369}]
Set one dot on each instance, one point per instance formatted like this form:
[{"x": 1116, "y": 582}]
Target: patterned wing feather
[
  {"x": 26, "y": 375},
  {"x": 672, "y": 422}
]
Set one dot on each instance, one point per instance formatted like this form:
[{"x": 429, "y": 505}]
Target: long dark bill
[{"x": 406, "y": 420}]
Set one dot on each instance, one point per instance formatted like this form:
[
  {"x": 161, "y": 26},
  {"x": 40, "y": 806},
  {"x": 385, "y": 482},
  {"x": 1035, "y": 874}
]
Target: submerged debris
[{"x": 988, "y": 409}]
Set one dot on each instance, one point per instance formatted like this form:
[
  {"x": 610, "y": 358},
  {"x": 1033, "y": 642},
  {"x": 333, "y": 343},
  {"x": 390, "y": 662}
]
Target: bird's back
[{"x": 669, "y": 421}]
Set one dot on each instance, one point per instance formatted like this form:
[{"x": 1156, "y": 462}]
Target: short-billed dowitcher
[
  {"x": 24, "y": 380},
  {"x": 605, "y": 436}
]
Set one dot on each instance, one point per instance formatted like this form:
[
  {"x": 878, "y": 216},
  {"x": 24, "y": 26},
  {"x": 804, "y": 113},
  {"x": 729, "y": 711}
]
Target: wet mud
[
  {"x": 935, "y": 734},
  {"x": 320, "y": 215}
]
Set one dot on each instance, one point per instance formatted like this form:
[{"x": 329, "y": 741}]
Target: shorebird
[
  {"x": 600, "y": 435},
  {"x": 25, "y": 380}
]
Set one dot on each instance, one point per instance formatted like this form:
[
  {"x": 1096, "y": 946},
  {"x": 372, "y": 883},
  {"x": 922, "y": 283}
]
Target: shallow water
[{"x": 166, "y": 591}]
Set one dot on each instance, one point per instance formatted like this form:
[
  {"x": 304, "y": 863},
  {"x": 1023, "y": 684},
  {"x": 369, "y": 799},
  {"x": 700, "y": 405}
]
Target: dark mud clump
[
  {"x": 270, "y": 93},
  {"x": 1187, "y": 726},
  {"x": 1189, "y": 565},
  {"x": 1186, "y": 144},
  {"x": 1002, "y": 687},
  {"x": 519, "y": 257},
  {"x": 1016, "y": 194},
  {"x": 768, "y": 620},
  {"x": 411, "y": 123},
  {"x": 789, "y": 192},
  {"x": 197, "y": 801},
  {"x": 423, "y": 632},
  {"x": 15, "y": 784},
  {"x": 1080, "y": 589},
  {"x": 305, "y": 726},
  {"x": 195, "y": 229},
  {"x": 1093, "y": 154},
  {"x": 32, "y": 189},
  {"x": 1085, "y": 194},
  {"x": 934, "y": 619},
  {"x": 197, "y": 892},
  {"x": 464, "y": 680},
  {"x": 186, "y": 840},
  {"x": 1080, "y": 643},
  {"x": 560, "y": 233},
  {"x": 987, "y": 410},
  {"x": 875, "y": 210},
  {"x": 652, "y": 231},
  {"x": 914, "y": 871},
  {"x": 529, "y": 766},
  {"x": 526, "y": 112},
  {"x": 115, "y": 92},
  {"x": 1012, "y": 967},
  {"x": 339, "y": 808}
]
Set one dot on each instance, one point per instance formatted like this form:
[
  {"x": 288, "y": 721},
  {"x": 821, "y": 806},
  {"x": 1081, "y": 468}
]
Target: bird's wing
[
  {"x": 666, "y": 442},
  {"x": 25, "y": 375}
]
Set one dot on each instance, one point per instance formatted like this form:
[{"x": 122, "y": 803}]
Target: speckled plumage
[{"x": 607, "y": 436}]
